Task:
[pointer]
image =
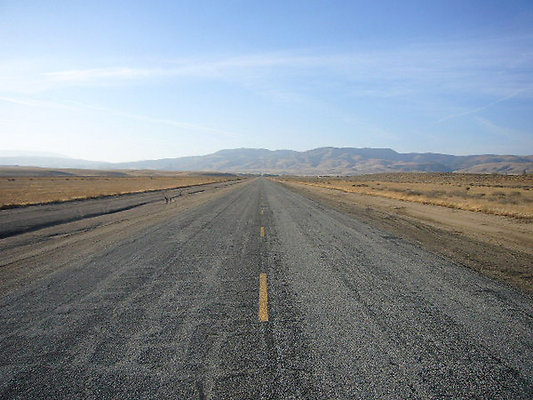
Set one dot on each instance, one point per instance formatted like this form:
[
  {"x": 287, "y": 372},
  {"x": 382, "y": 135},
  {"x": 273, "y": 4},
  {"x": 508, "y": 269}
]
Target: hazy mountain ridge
[
  {"x": 52, "y": 162},
  {"x": 320, "y": 161}
]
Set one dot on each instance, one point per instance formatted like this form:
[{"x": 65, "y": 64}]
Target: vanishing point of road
[{"x": 261, "y": 293}]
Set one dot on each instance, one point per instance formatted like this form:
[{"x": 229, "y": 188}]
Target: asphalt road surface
[{"x": 346, "y": 312}]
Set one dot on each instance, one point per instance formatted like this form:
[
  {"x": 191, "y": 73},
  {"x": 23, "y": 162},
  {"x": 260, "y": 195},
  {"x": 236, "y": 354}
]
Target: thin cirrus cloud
[
  {"x": 495, "y": 67},
  {"x": 483, "y": 108},
  {"x": 84, "y": 75},
  {"x": 76, "y": 106},
  {"x": 504, "y": 132},
  {"x": 488, "y": 72}
]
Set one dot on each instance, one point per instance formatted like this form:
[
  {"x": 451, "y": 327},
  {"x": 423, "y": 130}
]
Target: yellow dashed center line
[
  {"x": 263, "y": 298},
  {"x": 262, "y": 231}
]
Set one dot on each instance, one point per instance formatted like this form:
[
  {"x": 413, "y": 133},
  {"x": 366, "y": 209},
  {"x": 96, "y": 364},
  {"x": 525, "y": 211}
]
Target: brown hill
[{"x": 321, "y": 161}]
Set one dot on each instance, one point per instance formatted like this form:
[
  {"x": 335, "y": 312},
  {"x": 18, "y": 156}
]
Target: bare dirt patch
[
  {"x": 508, "y": 195},
  {"x": 497, "y": 246}
]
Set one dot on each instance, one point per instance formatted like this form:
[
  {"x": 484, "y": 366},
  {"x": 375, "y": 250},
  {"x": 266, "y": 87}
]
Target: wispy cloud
[
  {"x": 479, "y": 109},
  {"x": 73, "y": 105},
  {"x": 507, "y": 133},
  {"x": 183, "y": 68},
  {"x": 83, "y": 75},
  {"x": 493, "y": 67},
  {"x": 34, "y": 103}
]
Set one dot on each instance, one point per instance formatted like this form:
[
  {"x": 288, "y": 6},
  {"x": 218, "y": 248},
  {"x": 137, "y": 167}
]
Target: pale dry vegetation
[
  {"x": 19, "y": 191},
  {"x": 508, "y": 195}
]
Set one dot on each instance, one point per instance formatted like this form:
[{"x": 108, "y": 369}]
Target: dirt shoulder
[{"x": 497, "y": 246}]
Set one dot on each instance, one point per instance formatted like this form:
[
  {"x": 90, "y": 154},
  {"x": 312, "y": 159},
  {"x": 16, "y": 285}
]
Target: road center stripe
[
  {"x": 263, "y": 298},
  {"x": 262, "y": 231}
]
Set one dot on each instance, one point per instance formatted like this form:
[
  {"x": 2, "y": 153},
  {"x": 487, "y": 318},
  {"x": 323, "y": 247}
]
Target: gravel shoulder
[{"x": 496, "y": 246}]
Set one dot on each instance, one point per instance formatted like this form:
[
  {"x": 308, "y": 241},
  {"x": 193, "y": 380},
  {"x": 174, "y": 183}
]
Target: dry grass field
[
  {"x": 64, "y": 185},
  {"x": 507, "y": 195}
]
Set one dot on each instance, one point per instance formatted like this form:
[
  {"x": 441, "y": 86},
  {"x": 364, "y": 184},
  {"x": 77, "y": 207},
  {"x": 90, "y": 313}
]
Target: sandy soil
[{"x": 497, "y": 246}]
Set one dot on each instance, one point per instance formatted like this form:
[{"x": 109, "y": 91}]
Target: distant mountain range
[{"x": 321, "y": 161}]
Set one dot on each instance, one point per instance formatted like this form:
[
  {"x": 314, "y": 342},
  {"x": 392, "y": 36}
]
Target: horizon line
[{"x": 66, "y": 157}]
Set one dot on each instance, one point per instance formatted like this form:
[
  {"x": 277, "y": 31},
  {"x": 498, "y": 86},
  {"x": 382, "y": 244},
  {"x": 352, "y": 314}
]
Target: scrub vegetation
[{"x": 507, "y": 195}]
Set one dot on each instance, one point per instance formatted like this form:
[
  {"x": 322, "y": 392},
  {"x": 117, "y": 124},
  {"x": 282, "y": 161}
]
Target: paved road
[{"x": 353, "y": 312}]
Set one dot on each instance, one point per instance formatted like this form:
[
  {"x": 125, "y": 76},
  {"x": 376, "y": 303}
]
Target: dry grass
[
  {"x": 19, "y": 191},
  {"x": 506, "y": 195}
]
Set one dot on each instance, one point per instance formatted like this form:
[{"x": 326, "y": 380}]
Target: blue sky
[{"x": 117, "y": 81}]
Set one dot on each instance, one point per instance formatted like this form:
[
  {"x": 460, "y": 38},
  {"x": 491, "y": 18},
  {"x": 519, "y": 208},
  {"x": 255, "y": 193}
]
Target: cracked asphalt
[{"x": 171, "y": 311}]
